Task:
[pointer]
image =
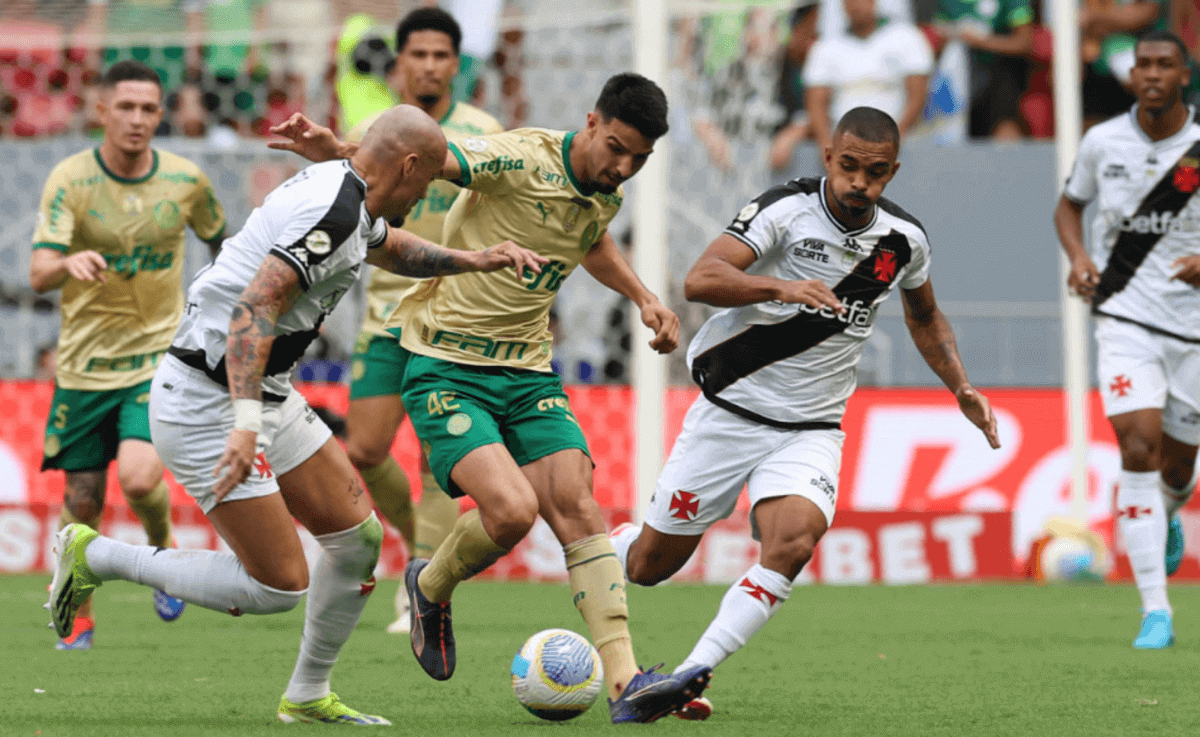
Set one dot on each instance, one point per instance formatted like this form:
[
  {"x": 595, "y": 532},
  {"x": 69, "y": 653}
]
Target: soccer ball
[
  {"x": 557, "y": 674},
  {"x": 1069, "y": 558}
]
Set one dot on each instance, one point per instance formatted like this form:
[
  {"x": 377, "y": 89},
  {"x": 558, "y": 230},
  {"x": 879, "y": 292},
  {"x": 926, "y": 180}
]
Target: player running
[
  {"x": 802, "y": 270},
  {"x": 1144, "y": 168},
  {"x": 427, "y": 42},
  {"x": 111, "y": 234},
  {"x": 245, "y": 444},
  {"x": 493, "y": 418}
]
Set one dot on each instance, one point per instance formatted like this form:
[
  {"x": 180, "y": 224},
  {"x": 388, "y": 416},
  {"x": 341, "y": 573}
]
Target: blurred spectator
[
  {"x": 891, "y": 65},
  {"x": 365, "y": 56},
  {"x": 514, "y": 105},
  {"x": 742, "y": 95},
  {"x": 999, "y": 34},
  {"x": 794, "y": 127},
  {"x": 834, "y": 21},
  {"x": 1107, "y": 34},
  {"x": 480, "y": 21},
  {"x": 40, "y": 79},
  {"x": 1037, "y": 104},
  {"x": 125, "y": 24}
]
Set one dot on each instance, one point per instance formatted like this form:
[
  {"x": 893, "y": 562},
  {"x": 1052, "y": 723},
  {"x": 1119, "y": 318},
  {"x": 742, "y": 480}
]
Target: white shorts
[
  {"x": 718, "y": 453},
  {"x": 1138, "y": 369},
  {"x": 191, "y": 418}
]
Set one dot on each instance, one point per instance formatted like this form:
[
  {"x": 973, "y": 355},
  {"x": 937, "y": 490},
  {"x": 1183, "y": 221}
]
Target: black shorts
[
  {"x": 996, "y": 94},
  {"x": 1103, "y": 96}
]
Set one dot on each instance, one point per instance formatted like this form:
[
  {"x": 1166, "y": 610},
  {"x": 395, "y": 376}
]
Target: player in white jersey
[
  {"x": 802, "y": 270},
  {"x": 1142, "y": 169},
  {"x": 244, "y": 443}
]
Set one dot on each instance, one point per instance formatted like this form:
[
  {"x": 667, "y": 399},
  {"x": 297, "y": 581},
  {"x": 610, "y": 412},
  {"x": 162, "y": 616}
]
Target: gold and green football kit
[
  {"x": 377, "y": 365},
  {"x": 114, "y": 332},
  {"x": 479, "y": 370}
]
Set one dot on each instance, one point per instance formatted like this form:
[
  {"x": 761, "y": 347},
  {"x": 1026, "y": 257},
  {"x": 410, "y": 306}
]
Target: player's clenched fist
[
  {"x": 86, "y": 266},
  {"x": 506, "y": 254},
  {"x": 812, "y": 292},
  {"x": 665, "y": 325},
  {"x": 1083, "y": 278}
]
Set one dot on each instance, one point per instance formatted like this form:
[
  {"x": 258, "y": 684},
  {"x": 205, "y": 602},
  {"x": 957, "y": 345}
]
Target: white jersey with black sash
[
  {"x": 1147, "y": 217},
  {"x": 789, "y": 365},
  {"x": 317, "y": 224}
]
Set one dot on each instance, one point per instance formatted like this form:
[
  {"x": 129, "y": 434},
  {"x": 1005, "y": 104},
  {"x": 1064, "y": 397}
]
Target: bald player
[{"x": 246, "y": 446}]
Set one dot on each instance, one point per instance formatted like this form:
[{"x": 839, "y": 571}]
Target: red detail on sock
[
  {"x": 1134, "y": 512},
  {"x": 235, "y": 611},
  {"x": 758, "y": 592},
  {"x": 366, "y": 587}
]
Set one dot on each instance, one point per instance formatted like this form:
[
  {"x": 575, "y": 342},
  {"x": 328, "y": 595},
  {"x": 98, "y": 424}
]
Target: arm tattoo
[
  {"x": 412, "y": 256},
  {"x": 252, "y": 327}
]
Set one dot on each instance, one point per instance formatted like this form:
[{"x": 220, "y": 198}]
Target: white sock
[
  {"x": 746, "y": 607},
  {"x": 1175, "y": 499},
  {"x": 622, "y": 542},
  {"x": 1143, "y": 524},
  {"x": 338, "y": 589},
  {"x": 202, "y": 577}
]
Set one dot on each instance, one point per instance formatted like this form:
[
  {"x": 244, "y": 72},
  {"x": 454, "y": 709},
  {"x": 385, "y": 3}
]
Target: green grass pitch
[{"x": 987, "y": 659}]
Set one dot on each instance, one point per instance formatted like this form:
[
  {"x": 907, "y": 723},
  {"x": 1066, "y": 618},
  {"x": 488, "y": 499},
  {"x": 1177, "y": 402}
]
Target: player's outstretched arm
[
  {"x": 313, "y": 142},
  {"x": 49, "y": 269},
  {"x": 719, "y": 278},
  {"x": 410, "y": 255},
  {"x": 934, "y": 338},
  {"x": 251, "y": 334},
  {"x": 318, "y": 143},
  {"x": 1068, "y": 221},
  {"x": 605, "y": 262}
]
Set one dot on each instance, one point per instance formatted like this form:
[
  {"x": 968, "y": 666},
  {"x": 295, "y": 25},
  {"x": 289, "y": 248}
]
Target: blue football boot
[
  {"x": 651, "y": 695},
  {"x": 1157, "y": 632}
]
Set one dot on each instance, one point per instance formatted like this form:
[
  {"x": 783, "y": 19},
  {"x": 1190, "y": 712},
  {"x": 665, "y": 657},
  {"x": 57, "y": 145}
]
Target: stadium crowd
[{"x": 233, "y": 68}]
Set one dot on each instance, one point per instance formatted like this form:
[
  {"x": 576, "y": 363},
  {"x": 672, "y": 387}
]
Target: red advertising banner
[
  {"x": 906, "y": 451},
  {"x": 862, "y": 547}
]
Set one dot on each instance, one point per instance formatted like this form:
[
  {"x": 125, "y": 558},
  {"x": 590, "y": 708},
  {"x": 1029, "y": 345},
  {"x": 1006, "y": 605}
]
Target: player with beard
[
  {"x": 492, "y": 416},
  {"x": 427, "y": 42},
  {"x": 1143, "y": 168},
  {"x": 801, "y": 271}
]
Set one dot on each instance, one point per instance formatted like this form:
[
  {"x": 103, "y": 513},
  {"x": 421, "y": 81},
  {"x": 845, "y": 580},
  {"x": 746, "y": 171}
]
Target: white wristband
[{"x": 247, "y": 415}]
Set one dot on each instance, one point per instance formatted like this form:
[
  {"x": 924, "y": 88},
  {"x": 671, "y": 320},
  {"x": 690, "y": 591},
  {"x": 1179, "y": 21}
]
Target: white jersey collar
[
  {"x": 836, "y": 223},
  {"x": 1191, "y": 116}
]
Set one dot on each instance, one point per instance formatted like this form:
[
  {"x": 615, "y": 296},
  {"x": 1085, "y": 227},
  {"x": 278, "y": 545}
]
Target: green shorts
[
  {"x": 377, "y": 366},
  {"x": 85, "y": 427},
  {"x": 457, "y": 408}
]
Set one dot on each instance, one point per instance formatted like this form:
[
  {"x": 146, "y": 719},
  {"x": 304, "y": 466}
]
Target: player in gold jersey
[
  {"x": 111, "y": 236},
  {"x": 427, "y": 41},
  {"x": 492, "y": 417}
]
